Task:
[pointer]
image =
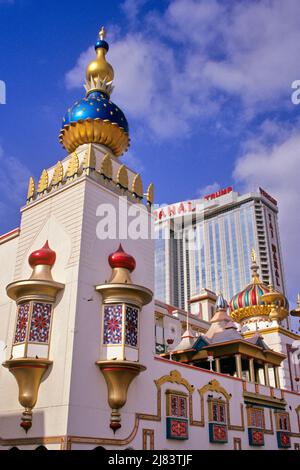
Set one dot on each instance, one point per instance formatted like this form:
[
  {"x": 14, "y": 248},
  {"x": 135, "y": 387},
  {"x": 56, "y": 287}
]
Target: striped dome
[
  {"x": 249, "y": 297},
  {"x": 248, "y": 303}
]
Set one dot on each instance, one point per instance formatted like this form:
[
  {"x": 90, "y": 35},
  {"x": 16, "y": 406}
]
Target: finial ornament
[
  {"x": 254, "y": 267},
  {"x": 253, "y": 255},
  {"x": 102, "y": 33},
  {"x": 99, "y": 73}
]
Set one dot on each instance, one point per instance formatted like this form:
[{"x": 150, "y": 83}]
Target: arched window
[
  {"x": 177, "y": 415},
  {"x": 218, "y": 431}
]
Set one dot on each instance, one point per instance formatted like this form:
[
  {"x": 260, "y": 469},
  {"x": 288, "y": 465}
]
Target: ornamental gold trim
[
  {"x": 94, "y": 131},
  {"x": 244, "y": 313},
  {"x": 43, "y": 182},
  {"x": 89, "y": 160},
  {"x": 214, "y": 386},
  {"x": 28, "y": 373},
  {"x": 31, "y": 188},
  {"x": 73, "y": 167},
  {"x": 58, "y": 174},
  {"x": 122, "y": 177},
  {"x": 150, "y": 194},
  {"x": 148, "y": 433},
  {"x": 106, "y": 167},
  {"x": 174, "y": 377},
  {"x": 137, "y": 186},
  {"x": 118, "y": 376}
]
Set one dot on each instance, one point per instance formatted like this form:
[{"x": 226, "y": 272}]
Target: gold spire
[
  {"x": 254, "y": 268},
  {"x": 100, "y": 68},
  {"x": 102, "y": 33}
]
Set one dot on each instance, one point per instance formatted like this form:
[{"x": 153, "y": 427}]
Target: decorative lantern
[
  {"x": 122, "y": 304},
  {"x": 31, "y": 342}
]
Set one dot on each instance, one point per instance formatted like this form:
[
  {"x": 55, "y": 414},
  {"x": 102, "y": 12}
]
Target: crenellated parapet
[{"x": 101, "y": 166}]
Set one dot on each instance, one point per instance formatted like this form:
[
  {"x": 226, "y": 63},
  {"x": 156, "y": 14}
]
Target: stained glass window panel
[
  {"x": 40, "y": 323},
  {"x": 112, "y": 324},
  {"x": 22, "y": 321},
  {"x": 131, "y": 326}
]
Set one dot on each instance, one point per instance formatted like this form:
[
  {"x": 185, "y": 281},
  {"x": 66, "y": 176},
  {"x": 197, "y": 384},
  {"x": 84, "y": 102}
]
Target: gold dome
[{"x": 100, "y": 68}]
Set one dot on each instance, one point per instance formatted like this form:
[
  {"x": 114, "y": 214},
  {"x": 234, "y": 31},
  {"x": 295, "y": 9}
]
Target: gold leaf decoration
[
  {"x": 106, "y": 167},
  {"x": 214, "y": 386},
  {"x": 137, "y": 186},
  {"x": 73, "y": 166},
  {"x": 122, "y": 177},
  {"x": 150, "y": 194},
  {"x": 174, "y": 377},
  {"x": 58, "y": 174},
  {"x": 43, "y": 182},
  {"x": 89, "y": 161},
  {"x": 31, "y": 188}
]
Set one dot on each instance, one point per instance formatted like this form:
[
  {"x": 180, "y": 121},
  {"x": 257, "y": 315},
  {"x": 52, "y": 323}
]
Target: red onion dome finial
[
  {"x": 120, "y": 259},
  {"x": 43, "y": 256}
]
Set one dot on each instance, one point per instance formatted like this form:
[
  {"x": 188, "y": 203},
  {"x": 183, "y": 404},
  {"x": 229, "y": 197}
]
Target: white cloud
[
  {"x": 181, "y": 67},
  {"x": 14, "y": 176},
  {"x": 209, "y": 189},
  {"x": 273, "y": 162}
]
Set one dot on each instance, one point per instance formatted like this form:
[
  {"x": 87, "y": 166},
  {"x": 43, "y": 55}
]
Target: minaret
[{"x": 86, "y": 205}]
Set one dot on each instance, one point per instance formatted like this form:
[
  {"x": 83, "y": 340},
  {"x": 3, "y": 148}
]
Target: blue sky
[{"x": 205, "y": 85}]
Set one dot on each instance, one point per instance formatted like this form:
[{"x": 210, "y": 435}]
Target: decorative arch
[
  {"x": 174, "y": 377},
  {"x": 214, "y": 386}
]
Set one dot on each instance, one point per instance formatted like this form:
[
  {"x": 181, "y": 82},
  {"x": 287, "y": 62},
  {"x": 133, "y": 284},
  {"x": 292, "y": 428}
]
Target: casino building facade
[
  {"x": 89, "y": 359},
  {"x": 205, "y": 244}
]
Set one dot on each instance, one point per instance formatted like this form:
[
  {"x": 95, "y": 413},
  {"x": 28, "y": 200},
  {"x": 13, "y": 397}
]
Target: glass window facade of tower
[{"x": 207, "y": 244}]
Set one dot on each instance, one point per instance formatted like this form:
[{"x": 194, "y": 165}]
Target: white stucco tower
[{"x": 78, "y": 306}]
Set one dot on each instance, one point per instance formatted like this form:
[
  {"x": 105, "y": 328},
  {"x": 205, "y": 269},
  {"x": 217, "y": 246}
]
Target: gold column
[
  {"x": 218, "y": 365},
  {"x": 238, "y": 365},
  {"x": 251, "y": 369},
  {"x": 276, "y": 375},
  {"x": 266, "y": 374}
]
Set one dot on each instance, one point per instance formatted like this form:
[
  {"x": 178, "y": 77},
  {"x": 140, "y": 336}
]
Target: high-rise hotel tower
[{"x": 206, "y": 244}]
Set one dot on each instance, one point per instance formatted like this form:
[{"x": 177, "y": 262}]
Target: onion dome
[
  {"x": 44, "y": 256},
  {"x": 120, "y": 259},
  {"x": 96, "y": 119},
  {"x": 248, "y": 303}
]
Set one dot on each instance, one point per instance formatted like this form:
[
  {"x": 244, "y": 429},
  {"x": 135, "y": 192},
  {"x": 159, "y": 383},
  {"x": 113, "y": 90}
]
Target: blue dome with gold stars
[
  {"x": 96, "y": 105},
  {"x": 96, "y": 119}
]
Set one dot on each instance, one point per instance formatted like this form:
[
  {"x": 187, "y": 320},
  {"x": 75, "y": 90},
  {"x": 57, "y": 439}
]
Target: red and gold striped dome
[{"x": 248, "y": 303}]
